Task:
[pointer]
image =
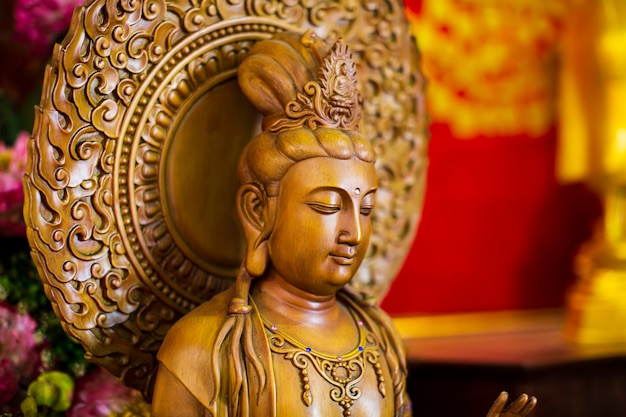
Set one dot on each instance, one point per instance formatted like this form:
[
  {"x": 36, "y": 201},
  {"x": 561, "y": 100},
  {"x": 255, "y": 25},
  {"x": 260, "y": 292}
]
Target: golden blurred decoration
[
  {"x": 593, "y": 148},
  {"x": 491, "y": 64}
]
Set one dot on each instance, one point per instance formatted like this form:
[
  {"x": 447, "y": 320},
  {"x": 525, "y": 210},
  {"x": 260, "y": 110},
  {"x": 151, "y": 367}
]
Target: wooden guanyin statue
[
  {"x": 131, "y": 183},
  {"x": 288, "y": 338},
  {"x": 131, "y": 180},
  {"x": 285, "y": 339}
]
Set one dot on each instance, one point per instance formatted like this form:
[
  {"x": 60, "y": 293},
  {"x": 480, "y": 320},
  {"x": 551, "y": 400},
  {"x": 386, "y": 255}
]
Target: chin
[{"x": 339, "y": 280}]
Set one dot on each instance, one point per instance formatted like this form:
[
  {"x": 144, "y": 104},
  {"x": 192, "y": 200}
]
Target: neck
[{"x": 279, "y": 300}]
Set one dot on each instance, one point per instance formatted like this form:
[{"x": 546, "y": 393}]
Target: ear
[{"x": 252, "y": 210}]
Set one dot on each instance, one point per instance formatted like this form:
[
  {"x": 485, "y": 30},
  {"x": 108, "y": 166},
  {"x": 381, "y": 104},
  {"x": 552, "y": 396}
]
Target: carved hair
[
  {"x": 304, "y": 117},
  {"x": 266, "y": 159}
]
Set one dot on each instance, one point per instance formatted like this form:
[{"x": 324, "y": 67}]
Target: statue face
[{"x": 322, "y": 224}]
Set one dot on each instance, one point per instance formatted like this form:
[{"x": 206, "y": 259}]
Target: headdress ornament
[{"x": 324, "y": 94}]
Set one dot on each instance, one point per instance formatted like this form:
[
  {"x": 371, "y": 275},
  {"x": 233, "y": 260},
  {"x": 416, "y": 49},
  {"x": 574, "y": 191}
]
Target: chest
[{"x": 308, "y": 383}]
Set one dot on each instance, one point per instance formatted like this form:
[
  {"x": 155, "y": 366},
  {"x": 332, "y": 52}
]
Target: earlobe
[{"x": 252, "y": 206}]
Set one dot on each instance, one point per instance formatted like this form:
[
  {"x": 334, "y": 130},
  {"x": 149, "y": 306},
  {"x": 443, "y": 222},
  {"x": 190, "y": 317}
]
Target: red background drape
[{"x": 498, "y": 232}]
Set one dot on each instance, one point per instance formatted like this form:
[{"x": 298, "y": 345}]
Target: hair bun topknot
[{"x": 297, "y": 81}]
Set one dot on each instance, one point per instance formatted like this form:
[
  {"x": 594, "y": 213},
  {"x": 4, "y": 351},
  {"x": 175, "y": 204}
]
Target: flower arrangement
[{"x": 42, "y": 370}]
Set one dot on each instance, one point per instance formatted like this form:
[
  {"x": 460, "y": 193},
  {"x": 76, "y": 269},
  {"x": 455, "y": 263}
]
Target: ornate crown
[
  {"x": 331, "y": 101},
  {"x": 272, "y": 75}
]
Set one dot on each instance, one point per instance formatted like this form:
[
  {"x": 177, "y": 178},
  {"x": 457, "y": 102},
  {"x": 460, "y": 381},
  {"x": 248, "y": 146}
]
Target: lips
[{"x": 344, "y": 257}]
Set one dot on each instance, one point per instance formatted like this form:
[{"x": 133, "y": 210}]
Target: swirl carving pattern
[{"x": 117, "y": 86}]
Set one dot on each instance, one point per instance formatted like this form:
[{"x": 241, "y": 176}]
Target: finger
[
  {"x": 530, "y": 406},
  {"x": 517, "y": 405},
  {"x": 498, "y": 405}
]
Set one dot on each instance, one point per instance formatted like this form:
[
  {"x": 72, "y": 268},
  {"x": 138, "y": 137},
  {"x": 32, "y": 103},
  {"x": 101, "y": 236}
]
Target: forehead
[{"x": 325, "y": 172}]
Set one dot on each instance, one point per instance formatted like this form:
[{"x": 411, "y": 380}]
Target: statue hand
[{"x": 522, "y": 406}]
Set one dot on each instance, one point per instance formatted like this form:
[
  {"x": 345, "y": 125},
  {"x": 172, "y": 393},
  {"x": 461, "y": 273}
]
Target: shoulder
[
  {"x": 186, "y": 349},
  {"x": 379, "y": 321},
  {"x": 196, "y": 328},
  {"x": 372, "y": 311}
]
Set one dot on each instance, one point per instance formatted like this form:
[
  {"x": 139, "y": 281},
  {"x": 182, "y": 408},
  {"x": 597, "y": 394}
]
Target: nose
[{"x": 350, "y": 232}]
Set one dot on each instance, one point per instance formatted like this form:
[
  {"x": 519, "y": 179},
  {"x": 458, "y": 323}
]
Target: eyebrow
[{"x": 339, "y": 190}]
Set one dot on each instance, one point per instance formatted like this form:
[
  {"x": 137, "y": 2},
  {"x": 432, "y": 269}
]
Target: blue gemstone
[
  {"x": 308, "y": 349},
  {"x": 360, "y": 348}
]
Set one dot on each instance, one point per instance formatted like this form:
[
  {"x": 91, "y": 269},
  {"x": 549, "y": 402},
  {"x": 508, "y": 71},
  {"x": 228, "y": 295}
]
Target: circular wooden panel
[
  {"x": 132, "y": 167},
  {"x": 199, "y": 181}
]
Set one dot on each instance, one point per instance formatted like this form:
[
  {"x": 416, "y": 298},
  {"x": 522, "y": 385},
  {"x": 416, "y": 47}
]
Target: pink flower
[
  {"x": 11, "y": 191},
  {"x": 19, "y": 154},
  {"x": 98, "y": 394},
  {"x": 8, "y": 381},
  {"x": 17, "y": 342},
  {"x": 40, "y": 22}
]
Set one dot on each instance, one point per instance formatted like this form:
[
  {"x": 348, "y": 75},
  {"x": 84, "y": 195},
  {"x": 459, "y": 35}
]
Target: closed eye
[
  {"x": 324, "y": 208},
  {"x": 366, "y": 210}
]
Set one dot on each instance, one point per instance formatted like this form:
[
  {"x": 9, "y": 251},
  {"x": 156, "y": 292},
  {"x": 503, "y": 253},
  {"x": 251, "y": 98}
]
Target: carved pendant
[{"x": 343, "y": 373}]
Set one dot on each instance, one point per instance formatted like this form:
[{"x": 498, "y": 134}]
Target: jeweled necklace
[{"x": 343, "y": 372}]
